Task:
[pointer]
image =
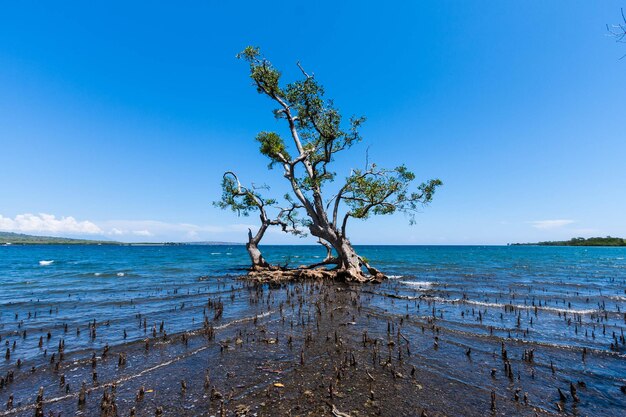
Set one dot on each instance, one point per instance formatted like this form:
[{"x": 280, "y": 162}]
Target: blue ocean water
[
  {"x": 559, "y": 299},
  {"x": 112, "y": 283}
]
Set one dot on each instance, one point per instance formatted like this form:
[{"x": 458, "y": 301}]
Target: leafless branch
[{"x": 303, "y": 71}]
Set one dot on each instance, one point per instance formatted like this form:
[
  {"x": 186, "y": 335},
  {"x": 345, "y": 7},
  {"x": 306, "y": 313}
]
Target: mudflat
[{"x": 312, "y": 348}]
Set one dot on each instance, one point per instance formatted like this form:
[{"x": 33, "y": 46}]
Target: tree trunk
[
  {"x": 258, "y": 262},
  {"x": 350, "y": 266}
]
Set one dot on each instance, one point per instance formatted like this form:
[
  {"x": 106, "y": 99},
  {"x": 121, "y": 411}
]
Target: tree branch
[
  {"x": 243, "y": 191},
  {"x": 303, "y": 71},
  {"x": 343, "y": 224}
]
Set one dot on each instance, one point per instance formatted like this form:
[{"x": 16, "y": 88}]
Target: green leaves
[
  {"x": 244, "y": 200},
  {"x": 265, "y": 76},
  {"x": 318, "y": 132},
  {"x": 320, "y": 125},
  {"x": 306, "y": 98},
  {"x": 427, "y": 190},
  {"x": 250, "y": 53},
  {"x": 237, "y": 198},
  {"x": 380, "y": 192},
  {"x": 273, "y": 146},
  {"x": 315, "y": 124}
]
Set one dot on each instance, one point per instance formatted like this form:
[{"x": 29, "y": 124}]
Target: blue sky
[{"x": 118, "y": 119}]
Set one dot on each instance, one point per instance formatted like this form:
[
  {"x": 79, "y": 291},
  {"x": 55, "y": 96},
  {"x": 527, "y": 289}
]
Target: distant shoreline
[
  {"x": 579, "y": 241},
  {"x": 19, "y": 239},
  {"x": 120, "y": 244}
]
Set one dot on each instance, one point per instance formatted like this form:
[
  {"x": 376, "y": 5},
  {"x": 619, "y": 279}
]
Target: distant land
[
  {"x": 9, "y": 238},
  {"x": 22, "y": 239},
  {"x": 580, "y": 241}
]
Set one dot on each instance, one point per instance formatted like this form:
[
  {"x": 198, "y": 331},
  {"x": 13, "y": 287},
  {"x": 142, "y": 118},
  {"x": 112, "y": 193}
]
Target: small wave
[
  {"x": 394, "y": 276},
  {"x": 617, "y": 297},
  {"x": 418, "y": 284},
  {"x": 109, "y": 274},
  {"x": 45, "y": 263},
  {"x": 216, "y": 253},
  {"x": 516, "y": 306}
]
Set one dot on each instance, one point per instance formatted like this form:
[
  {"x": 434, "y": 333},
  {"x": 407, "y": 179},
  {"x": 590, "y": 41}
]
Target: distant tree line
[
  {"x": 581, "y": 241},
  {"x": 22, "y": 239}
]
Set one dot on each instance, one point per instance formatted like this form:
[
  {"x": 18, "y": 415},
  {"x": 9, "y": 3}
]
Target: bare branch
[
  {"x": 618, "y": 32},
  {"x": 303, "y": 71}
]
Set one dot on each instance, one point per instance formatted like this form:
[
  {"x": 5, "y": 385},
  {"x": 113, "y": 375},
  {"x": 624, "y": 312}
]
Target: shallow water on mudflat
[{"x": 564, "y": 303}]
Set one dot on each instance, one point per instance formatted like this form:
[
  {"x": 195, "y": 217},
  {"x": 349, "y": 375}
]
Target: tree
[
  {"x": 244, "y": 200},
  {"x": 317, "y": 133},
  {"x": 618, "y": 31}
]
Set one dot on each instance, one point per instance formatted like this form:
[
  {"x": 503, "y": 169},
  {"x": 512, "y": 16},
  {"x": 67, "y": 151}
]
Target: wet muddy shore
[{"x": 308, "y": 348}]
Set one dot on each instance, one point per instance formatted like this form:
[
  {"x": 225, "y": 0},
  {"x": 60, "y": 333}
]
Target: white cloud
[
  {"x": 124, "y": 230},
  {"x": 550, "y": 224},
  {"x": 158, "y": 231},
  {"x": 156, "y": 228},
  {"x": 47, "y": 223},
  {"x": 142, "y": 233}
]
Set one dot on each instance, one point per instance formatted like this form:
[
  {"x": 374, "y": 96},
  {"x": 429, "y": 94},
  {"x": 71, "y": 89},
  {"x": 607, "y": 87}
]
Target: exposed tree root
[{"x": 278, "y": 274}]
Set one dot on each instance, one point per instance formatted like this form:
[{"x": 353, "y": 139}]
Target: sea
[{"x": 565, "y": 304}]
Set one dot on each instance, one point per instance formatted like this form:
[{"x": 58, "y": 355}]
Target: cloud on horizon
[
  {"x": 169, "y": 231},
  {"x": 550, "y": 224},
  {"x": 43, "y": 223},
  {"x": 47, "y": 223}
]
